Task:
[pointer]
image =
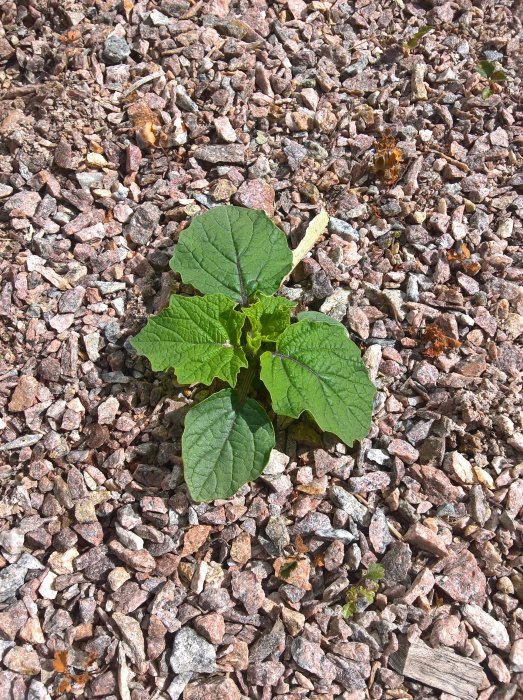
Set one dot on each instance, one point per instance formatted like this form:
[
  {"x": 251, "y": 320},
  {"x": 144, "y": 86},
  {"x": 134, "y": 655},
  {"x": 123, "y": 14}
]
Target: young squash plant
[
  {"x": 494, "y": 76},
  {"x": 237, "y": 258}
]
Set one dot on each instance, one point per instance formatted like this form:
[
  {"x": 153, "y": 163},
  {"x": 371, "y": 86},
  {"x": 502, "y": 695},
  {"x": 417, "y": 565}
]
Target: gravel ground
[{"x": 120, "y": 120}]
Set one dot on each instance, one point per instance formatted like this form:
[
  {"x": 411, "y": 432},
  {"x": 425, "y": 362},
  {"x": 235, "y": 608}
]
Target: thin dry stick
[{"x": 142, "y": 81}]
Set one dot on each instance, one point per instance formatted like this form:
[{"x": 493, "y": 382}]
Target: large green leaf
[
  {"x": 198, "y": 337},
  {"x": 268, "y": 318},
  {"x": 233, "y": 251},
  {"x": 318, "y": 317},
  {"x": 317, "y": 368},
  {"x": 226, "y": 443}
]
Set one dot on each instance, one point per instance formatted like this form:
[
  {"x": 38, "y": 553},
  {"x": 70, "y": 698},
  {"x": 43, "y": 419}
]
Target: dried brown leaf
[
  {"x": 300, "y": 545},
  {"x": 60, "y": 661},
  {"x": 64, "y": 686},
  {"x": 128, "y": 6},
  {"x": 148, "y": 133},
  {"x": 387, "y": 159},
  {"x": 82, "y": 678},
  {"x": 71, "y": 36},
  {"x": 144, "y": 121},
  {"x": 437, "y": 341},
  {"x": 472, "y": 267},
  {"x": 460, "y": 252}
]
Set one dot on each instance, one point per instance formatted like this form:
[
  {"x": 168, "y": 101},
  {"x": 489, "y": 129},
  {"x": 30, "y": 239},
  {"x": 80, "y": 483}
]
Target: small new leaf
[
  {"x": 375, "y": 572},
  {"x": 226, "y": 443},
  {"x": 416, "y": 38},
  {"x": 233, "y": 251},
  {"x": 353, "y": 597},
  {"x": 268, "y": 318},
  {"x": 360, "y": 595},
  {"x": 198, "y": 337},
  {"x": 317, "y": 368},
  {"x": 486, "y": 69},
  {"x": 494, "y": 75},
  {"x": 498, "y": 76}
]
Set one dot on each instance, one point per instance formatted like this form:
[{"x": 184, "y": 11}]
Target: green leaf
[
  {"x": 486, "y": 93},
  {"x": 375, "y": 572},
  {"x": 198, "y": 337},
  {"x": 498, "y": 76},
  {"x": 485, "y": 69},
  {"x": 318, "y": 317},
  {"x": 317, "y": 368},
  {"x": 351, "y": 601},
  {"x": 369, "y": 596},
  {"x": 415, "y": 38},
  {"x": 287, "y": 569},
  {"x": 233, "y": 251},
  {"x": 348, "y": 610},
  {"x": 268, "y": 317},
  {"x": 226, "y": 443}
]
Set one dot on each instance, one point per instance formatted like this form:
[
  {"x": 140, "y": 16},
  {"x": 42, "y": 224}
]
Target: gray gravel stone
[
  {"x": 12, "y": 541},
  {"x": 232, "y": 153},
  {"x": 397, "y": 562},
  {"x": 379, "y": 534},
  {"x": 5, "y": 190},
  {"x": 331, "y": 534},
  {"x": 107, "y": 410},
  {"x": 71, "y": 300},
  {"x": 133, "y": 636},
  {"x": 192, "y": 653},
  {"x": 143, "y": 223},
  {"x": 348, "y": 503},
  {"x": 109, "y": 287},
  {"x": 493, "y": 630},
  {"x": 335, "y": 305},
  {"x": 158, "y": 19},
  {"x": 276, "y": 530},
  {"x": 11, "y": 578},
  {"x": 176, "y": 688},
  {"x": 92, "y": 343},
  {"x": 479, "y": 508},
  {"x": 23, "y": 441},
  {"x": 311, "y": 658},
  {"x": 184, "y": 101},
  {"x": 25, "y": 202},
  {"x": 343, "y": 229},
  {"x": 87, "y": 180},
  {"x": 116, "y": 49},
  {"x": 268, "y": 644}
]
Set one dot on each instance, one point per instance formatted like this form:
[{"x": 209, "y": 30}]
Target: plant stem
[{"x": 246, "y": 380}]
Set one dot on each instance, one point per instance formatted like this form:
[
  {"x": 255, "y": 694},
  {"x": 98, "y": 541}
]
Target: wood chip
[{"x": 438, "y": 668}]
